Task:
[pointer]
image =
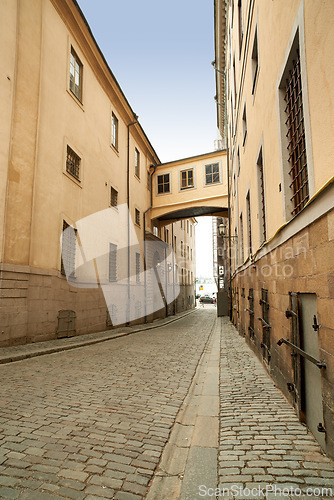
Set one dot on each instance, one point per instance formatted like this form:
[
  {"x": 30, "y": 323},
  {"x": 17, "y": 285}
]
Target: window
[
  {"x": 238, "y": 161},
  {"x": 212, "y": 173},
  {"x": 75, "y": 75},
  {"x": 240, "y": 26},
  {"x": 296, "y": 137},
  {"x": 113, "y": 197},
  {"x": 249, "y": 223},
  {"x": 148, "y": 178},
  {"x": 235, "y": 88},
  {"x": 137, "y": 217},
  {"x": 163, "y": 183},
  {"x": 112, "y": 262},
  {"x": 244, "y": 126},
  {"x": 181, "y": 248},
  {"x": 191, "y": 229},
  {"x": 137, "y": 163},
  {"x": 167, "y": 236},
  {"x": 156, "y": 231},
  {"x": 137, "y": 267},
  {"x": 251, "y": 314},
  {"x": 68, "y": 247},
  {"x": 255, "y": 61},
  {"x": 187, "y": 179},
  {"x": 174, "y": 243},
  {"x": 262, "y": 202},
  {"x": 242, "y": 256},
  {"x": 264, "y": 303},
  {"x": 114, "y": 131},
  {"x": 73, "y": 163},
  {"x": 187, "y": 226}
]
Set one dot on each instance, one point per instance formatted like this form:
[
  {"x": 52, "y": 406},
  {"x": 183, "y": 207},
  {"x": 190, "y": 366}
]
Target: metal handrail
[
  {"x": 319, "y": 364},
  {"x": 249, "y": 310},
  {"x": 264, "y": 322}
]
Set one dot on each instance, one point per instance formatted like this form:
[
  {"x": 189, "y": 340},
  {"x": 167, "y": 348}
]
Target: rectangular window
[
  {"x": 148, "y": 177},
  {"x": 175, "y": 244},
  {"x": 244, "y": 126},
  {"x": 181, "y": 248},
  {"x": 137, "y": 267},
  {"x": 262, "y": 201},
  {"x": 238, "y": 161},
  {"x": 75, "y": 75},
  {"x": 137, "y": 163},
  {"x": 249, "y": 223},
  {"x": 187, "y": 226},
  {"x": 255, "y": 61},
  {"x": 191, "y": 229},
  {"x": 112, "y": 262},
  {"x": 137, "y": 217},
  {"x": 212, "y": 173},
  {"x": 114, "y": 131},
  {"x": 73, "y": 163},
  {"x": 187, "y": 178},
  {"x": 167, "y": 236},
  {"x": 163, "y": 183},
  {"x": 240, "y": 26},
  {"x": 113, "y": 197},
  {"x": 68, "y": 248},
  {"x": 251, "y": 314},
  {"x": 264, "y": 303},
  {"x": 296, "y": 137},
  {"x": 242, "y": 254}
]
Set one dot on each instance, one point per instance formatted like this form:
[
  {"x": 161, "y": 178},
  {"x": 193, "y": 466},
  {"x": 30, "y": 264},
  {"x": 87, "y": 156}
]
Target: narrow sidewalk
[{"x": 19, "y": 352}]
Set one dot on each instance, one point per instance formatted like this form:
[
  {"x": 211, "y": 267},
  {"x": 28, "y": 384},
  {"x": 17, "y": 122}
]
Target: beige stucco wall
[
  {"x": 7, "y": 65},
  {"x": 275, "y": 22}
]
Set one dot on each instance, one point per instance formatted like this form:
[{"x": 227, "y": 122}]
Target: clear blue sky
[{"x": 160, "y": 53}]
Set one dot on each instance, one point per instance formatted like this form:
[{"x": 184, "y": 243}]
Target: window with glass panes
[
  {"x": 163, "y": 183},
  {"x": 75, "y": 75},
  {"x": 187, "y": 178},
  {"x": 212, "y": 173}
]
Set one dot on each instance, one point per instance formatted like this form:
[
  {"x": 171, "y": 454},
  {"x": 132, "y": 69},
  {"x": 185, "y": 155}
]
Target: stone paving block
[{"x": 8, "y": 493}]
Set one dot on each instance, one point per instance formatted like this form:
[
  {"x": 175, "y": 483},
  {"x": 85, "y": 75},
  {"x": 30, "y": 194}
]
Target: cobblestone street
[{"x": 93, "y": 422}]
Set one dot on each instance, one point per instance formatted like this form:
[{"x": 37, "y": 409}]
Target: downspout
[
  {"x": 173, "y": 270},
  {"x": 128, "y": 215},
  {"x": 144, "y": 239}
]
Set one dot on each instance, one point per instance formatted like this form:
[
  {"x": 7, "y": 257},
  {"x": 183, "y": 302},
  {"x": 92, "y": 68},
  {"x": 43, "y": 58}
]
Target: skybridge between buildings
[{"x": 190, "y": 187}]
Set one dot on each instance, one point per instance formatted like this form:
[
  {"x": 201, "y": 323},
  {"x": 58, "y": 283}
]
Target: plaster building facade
[
  {"x": 71, "y": 147},
  {"x": 276, "y": 111}
]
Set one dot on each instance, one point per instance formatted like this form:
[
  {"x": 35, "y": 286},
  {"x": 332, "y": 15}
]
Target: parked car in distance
[{"x": 206, "y": 299}]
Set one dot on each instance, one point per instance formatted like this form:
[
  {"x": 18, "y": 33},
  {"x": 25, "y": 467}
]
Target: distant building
[{"x": 274, "y": 75}]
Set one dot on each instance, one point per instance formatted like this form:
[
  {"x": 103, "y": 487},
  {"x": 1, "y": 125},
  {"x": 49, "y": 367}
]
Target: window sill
[
  {"x": 73, "y": 179},
  {"x": 75, "y": 99},
  {"x": 115, "y": 150}
]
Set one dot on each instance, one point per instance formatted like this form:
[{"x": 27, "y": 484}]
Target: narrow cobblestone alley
[{"x": 93, "y": 422}]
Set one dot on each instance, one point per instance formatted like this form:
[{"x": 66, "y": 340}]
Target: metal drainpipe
[
  {"x": 128, "y": 216},
  {"x": 144, "y": 228},
  {"x": 173, "y": 270}
]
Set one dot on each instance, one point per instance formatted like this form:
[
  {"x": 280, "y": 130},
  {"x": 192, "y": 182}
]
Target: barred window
[
  {"x": 212, "y": 173},
  {"x": 187, "y": 179},
  {"x": 75, "y": 75},
  {"x": 249, "y": 223},
  {"x": 163, "y": 183},
  {"x": 112, "y": 262},
  {"x": 68, "y": 248},
  {"x": 262, "y": 201},
  {"x": 113, "y": 197},
  {"x": 296, "y": 137},
  {"x": 137, "y": 216},
  {"x": 73, "y": 163}
]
